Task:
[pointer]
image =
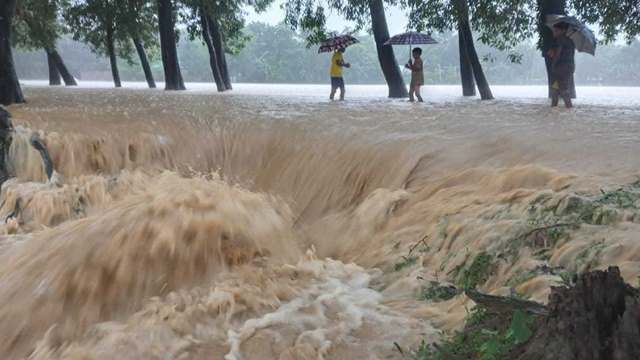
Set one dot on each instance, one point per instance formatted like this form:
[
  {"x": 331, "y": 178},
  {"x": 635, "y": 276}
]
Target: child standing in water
[
  {"x": 417, "y": 75},
  {"x": 337, "y": 63}
]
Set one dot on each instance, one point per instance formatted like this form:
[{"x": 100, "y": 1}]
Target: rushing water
[{"x": 269, "y": 223}]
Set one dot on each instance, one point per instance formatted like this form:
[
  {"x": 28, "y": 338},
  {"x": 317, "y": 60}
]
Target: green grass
[
  {"x": 436, "y": 292},
  {"x": 480, "y": 343},
  {"x": 477, "y": 273},
  {"x": 406, "y": 262}
]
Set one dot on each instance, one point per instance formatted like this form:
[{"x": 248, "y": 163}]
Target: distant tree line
[
  {"x": 146, "y": 32},
  {"x": 277, "y": 54}
]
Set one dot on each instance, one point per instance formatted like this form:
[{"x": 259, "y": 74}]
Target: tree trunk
[
  {"x": 62, "y": 68},
  {"x": 6, "y": 129},
  {"x": 386, "y": 57},
  {"x": 547, "y": 42},
  {"x": 172, "y": 75},
  {"x": 54, "y": 74},
  {"x": 478, "y": 73},
  {"x": 111, "y": 50},
  {"x": 213, "y": 57},
  {"x": 218, "y": 45},
  {"x": 10, "y": 91},
  {"x": 597, "y": 318},
  {"x": 466, "y": 70},
  {"x": 465, "y": 30},
  {"x": 144, "y": 61}
]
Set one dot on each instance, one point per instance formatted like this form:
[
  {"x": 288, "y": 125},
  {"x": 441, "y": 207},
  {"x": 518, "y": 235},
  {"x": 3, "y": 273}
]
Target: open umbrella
[
  {"x": 411, "y": 38},
  {"x": 337, "y": 42},
  {"x": 583, "y": 38}
]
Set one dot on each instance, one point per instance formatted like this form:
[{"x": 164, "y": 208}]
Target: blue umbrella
[{"x": 583, "y": 38}]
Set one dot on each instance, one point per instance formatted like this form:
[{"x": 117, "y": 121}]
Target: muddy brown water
[{"x": 270, "y": 226}]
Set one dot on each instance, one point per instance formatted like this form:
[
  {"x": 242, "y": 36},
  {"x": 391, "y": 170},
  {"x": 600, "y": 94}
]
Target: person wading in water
[
  {"x": 337, "y": 63},
  {"x": 417, "y": 75},
  {"x": 562, "y": 65}
]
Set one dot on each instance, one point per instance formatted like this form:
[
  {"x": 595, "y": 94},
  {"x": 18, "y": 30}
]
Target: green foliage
[
  {"x": 230, "y": 16},
  {"x": 480, "y": 343},
  {"x": 627, "y": 197},
  {"x": 437, "y": 292},
  {"x": 477, "y": 273},
  {"x": 309, "y": 16},
  {"x": 97, "y": 23},
  {"x": 476, "y": 316},
  {"x": 36, "y": 23},
  {"x": 612, "y": 17},
  {"x": 502, "y": 25}
]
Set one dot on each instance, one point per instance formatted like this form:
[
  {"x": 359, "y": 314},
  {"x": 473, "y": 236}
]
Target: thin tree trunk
[
  {"x": 386, "y": 57},
  {"x": 62, "y": 68},
  {"x": 218, "y": 44},
  {"x": 172, "y": 75},
  {"x": 10, "y": 91},
  {"x": 465, "y": 30},
  {"x": 547, "y": 42},
  {"x": 213, "y": 57},
  {"x": 111, "y": 50},
  {"x": 54, "y": 74},
  {"x": 144, "y": 62},
  {"x": 466, "y": 70}
]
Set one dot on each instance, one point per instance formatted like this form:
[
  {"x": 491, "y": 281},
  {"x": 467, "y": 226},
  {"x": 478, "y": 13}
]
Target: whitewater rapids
[{"x": 197, "y": 226}]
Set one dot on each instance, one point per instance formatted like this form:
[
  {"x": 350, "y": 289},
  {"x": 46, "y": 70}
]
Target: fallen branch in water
[
  {"x": 421, "y": 241},
  {"x": 544, "y": 228},
  {"x": 501, "y": 304}
]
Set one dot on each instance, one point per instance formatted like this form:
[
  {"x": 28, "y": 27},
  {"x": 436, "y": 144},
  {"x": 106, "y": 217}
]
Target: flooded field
[{"x": 269, "y": 223}]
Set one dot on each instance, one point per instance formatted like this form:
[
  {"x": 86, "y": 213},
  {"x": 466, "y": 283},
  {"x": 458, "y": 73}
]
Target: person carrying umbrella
[
  {"x": 562, "y": 65},
  {"x": 417, "y": 74},
  {"x": 570, "y": 35},
  {"x": 417, "y": 69},
  {"x": 337, "y": 44},
  {"x": 337, "y": 81}
]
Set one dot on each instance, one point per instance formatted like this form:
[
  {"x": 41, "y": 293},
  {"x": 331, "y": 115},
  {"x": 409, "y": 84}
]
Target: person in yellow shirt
[{"x": 337, "y": 63}]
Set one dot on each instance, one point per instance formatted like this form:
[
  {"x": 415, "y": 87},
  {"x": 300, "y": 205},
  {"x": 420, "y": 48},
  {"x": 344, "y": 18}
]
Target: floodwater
[{"x": 269, "y": 223}]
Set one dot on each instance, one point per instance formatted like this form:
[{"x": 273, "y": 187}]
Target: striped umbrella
[
  {"x": 411, "y": 38},
  {"x": 337, "y": 42}
]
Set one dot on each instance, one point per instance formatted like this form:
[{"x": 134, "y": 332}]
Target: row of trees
[
  {"x": 503, "y": 24},
  {"x": 114, "y": 28},
  {"x": 120, "y": 29}
]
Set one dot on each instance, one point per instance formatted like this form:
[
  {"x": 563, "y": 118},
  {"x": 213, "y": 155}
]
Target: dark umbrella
[
  {"x": 336, "y": 43},
  {"x": 411, "y": 38},
  {"x": 583, "y": 38}
]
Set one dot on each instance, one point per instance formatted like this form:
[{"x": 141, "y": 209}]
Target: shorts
[{"x": 337, "y": 82}]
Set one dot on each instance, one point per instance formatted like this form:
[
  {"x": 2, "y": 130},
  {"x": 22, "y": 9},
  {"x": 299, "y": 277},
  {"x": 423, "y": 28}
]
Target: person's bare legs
[
  {"x": 555, "y": 98},
  {"x": 417, "y": 92},
  {"x": 411, "y": 92},
  {"x": 566, "y": 96}
]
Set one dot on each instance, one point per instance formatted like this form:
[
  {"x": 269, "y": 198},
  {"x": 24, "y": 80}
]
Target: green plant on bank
[
  {"x": 475, "y": 274},
  {"x": 479, "y": 343},
  {"x": 568, "y": 278},
  {"x": 521, "y": 277},
  {"x": 627, "y": 197},
  {"x": 437, "y": 292},
  {"x": 406, "y": 262}
]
